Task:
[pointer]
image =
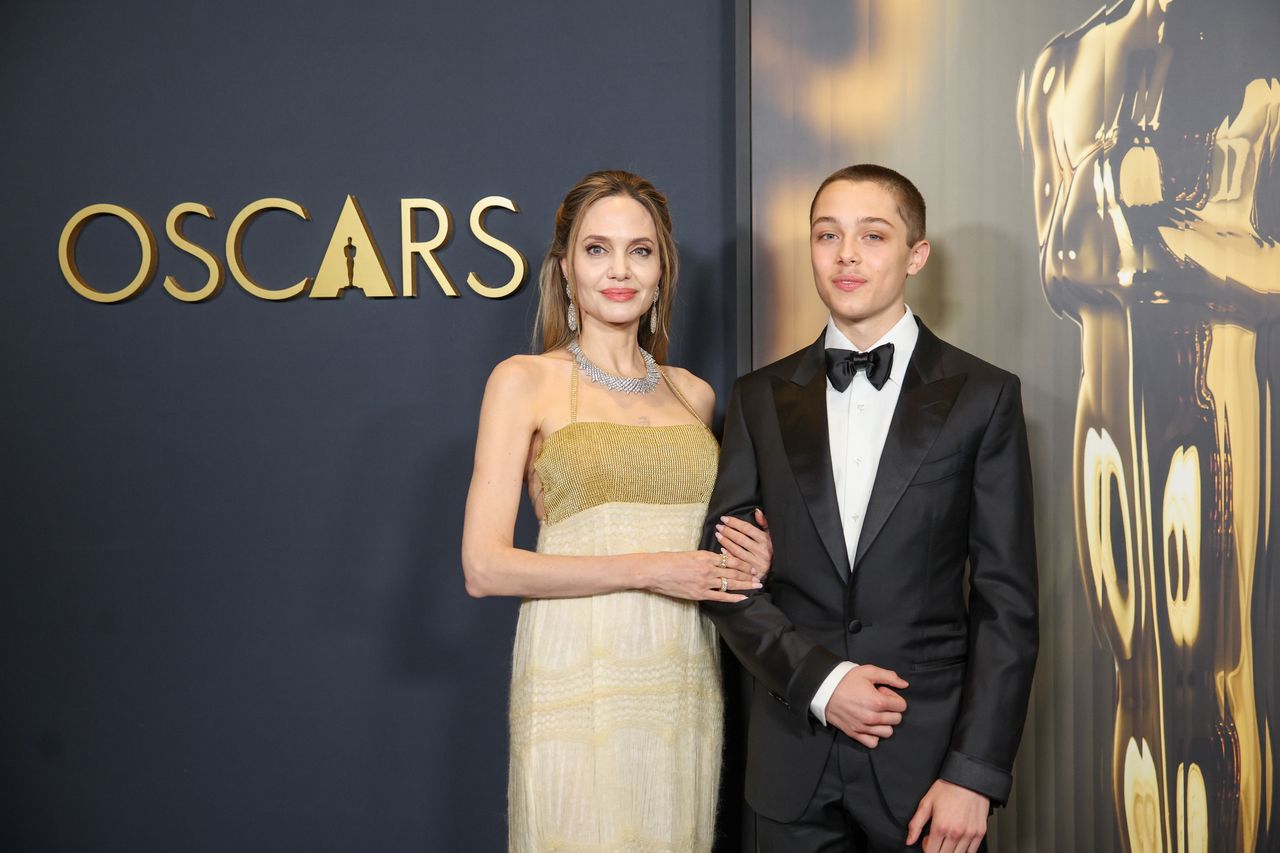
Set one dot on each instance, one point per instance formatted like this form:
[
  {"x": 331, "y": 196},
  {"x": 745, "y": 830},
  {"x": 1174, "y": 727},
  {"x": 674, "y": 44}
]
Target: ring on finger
[
  {"x": 724, "y": 561},
  {"x": 724, "y": 584}
]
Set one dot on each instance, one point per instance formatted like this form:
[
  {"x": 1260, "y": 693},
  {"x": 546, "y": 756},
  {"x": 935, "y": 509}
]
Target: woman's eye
[
  {"x": 595, "y": 249},
  {"x": 642, "y": 251}
]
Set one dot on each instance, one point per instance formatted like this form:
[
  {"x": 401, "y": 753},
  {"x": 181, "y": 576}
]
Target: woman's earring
[
  {"x": 653, "y": 314},
  {"x": 571, "y": 314}
]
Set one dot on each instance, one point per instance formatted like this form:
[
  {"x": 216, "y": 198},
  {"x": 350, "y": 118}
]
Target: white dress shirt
[{"x": 857, "y": 425}]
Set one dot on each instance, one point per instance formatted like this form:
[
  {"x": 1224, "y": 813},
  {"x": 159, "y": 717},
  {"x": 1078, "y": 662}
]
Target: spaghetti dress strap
[
  {"x": 573, "y": 396},
  {"x": 681, "y": 397}
]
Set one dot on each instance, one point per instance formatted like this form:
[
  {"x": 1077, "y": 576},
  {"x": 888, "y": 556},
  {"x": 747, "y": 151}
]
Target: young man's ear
[{"x": 919, "y": 254}]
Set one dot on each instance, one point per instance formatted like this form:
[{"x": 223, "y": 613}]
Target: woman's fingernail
[
  {"x": 724, "y": 518},
  {"x": 719, "y": 527},
  {"x": 757, "y": 585}
]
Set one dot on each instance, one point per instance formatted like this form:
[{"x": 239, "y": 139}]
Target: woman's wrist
[{"x": 644, "y": 575}]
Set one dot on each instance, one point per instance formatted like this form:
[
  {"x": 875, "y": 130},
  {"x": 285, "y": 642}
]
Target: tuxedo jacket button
[{"x": 855, "y": 625}]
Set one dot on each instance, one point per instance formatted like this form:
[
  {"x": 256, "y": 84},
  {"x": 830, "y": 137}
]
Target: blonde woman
[{"x": 615, "y": 690}]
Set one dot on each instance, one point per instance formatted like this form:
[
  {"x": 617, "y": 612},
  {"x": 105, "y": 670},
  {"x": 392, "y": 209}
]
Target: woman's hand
[
  {"x": 699, "y": 576},
  {"x": 747, "y": 542}
]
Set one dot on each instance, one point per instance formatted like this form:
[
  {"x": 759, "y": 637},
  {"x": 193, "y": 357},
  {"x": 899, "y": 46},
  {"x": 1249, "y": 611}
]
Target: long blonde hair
[{"x": 552, "y": 323}]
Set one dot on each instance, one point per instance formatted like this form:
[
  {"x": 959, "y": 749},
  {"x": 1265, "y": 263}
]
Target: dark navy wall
[{"x": 231, "y": 606}]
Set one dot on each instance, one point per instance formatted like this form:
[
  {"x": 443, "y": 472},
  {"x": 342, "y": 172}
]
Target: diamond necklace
[{"x": 625, "y": 384}]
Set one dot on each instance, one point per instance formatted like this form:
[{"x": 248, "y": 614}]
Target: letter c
[{"x": 235, "y": 236}]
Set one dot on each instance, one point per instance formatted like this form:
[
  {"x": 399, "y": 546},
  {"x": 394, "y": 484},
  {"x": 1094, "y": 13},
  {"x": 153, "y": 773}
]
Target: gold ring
[
  {"x": 724, "y": 560},
  {"x": 724, "y": 584}
]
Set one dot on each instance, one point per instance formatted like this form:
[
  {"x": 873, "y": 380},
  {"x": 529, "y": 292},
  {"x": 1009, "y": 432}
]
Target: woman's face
[{"x": 613, "y": 265}]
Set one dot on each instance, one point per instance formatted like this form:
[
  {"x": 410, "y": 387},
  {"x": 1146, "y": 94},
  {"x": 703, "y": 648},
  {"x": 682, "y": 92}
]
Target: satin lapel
[
  {"x": 922, "y": 409},
  {"x": 802, "y": 419}
]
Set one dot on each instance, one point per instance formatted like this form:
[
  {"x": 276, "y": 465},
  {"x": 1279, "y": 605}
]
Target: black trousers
[{"x": 847, "y": 814}]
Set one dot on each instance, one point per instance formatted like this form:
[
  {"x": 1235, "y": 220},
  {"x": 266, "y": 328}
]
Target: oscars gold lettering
[{"x": 352, "y": 260}]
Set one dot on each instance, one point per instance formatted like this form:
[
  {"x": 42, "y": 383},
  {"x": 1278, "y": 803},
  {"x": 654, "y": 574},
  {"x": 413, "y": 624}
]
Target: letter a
[{"x": 352, "y": 259}]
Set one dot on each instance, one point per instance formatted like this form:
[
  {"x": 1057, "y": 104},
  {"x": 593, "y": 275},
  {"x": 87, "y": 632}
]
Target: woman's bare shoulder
[{"x": 529, "y": 371}]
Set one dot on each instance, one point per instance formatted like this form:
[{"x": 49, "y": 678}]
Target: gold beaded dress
[{"x": 615, "y": 699}]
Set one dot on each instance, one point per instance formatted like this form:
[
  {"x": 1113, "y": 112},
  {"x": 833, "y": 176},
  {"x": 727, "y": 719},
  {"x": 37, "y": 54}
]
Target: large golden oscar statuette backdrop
[
  {"x": 352, "y": 261},
  {"x": 1153, "y": 133}
]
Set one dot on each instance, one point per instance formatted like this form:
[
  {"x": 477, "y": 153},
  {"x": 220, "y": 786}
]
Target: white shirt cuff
[{"x": 818, "y": 707}]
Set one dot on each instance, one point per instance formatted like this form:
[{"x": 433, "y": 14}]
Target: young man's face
[{"x": 861, "y": 260}]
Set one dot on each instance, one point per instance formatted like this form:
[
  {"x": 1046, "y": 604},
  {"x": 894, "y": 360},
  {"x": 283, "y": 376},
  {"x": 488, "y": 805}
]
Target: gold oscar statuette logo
[{"x": 352, "y": 261}]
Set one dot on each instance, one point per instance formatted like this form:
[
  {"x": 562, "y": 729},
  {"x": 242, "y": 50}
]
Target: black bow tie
[{"x": 842, "y": 364}]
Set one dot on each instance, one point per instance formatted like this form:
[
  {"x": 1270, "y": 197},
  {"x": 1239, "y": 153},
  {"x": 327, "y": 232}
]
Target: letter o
[{"x": 67, "y": 252}]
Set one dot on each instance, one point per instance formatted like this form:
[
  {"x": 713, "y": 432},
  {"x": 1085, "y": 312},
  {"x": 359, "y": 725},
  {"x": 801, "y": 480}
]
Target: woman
[{"x": 615, "y": 690}]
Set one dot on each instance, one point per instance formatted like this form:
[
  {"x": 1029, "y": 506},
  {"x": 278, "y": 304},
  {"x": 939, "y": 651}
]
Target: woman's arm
[{"x": 494, "y": 566}]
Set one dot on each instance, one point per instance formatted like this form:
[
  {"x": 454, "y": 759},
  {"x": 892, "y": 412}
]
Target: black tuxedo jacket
[{"x": 953, "y": 488}]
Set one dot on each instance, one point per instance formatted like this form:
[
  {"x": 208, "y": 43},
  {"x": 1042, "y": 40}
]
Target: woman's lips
[{"x": 619, "y": 294}]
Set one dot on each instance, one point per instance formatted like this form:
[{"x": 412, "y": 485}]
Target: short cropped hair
[{"x": 910, "y": 202}]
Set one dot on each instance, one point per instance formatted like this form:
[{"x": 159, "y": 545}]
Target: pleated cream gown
[{"x": 615, "y": 699}]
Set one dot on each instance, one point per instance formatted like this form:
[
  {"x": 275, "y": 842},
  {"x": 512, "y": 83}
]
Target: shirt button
[
  {"x": 855, "y": 626},
  {"x": 857, "y": 460},
  {"x": 861, "y": 406}
]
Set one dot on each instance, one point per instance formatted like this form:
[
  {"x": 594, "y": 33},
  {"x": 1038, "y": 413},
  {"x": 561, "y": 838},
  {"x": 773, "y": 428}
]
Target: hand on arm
[
  {"x": 956, "y": 817},
  {"x": 750, "y": 543}
]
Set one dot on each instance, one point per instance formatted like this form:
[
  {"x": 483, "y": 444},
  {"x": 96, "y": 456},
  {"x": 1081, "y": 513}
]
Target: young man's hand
[
  {"x": 864, "y": 707},
  {"x": 957, "y": 819}
]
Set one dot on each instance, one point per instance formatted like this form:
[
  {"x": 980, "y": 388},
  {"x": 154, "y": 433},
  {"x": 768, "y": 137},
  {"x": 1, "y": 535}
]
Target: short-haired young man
[{"x": 895, "y": 639}]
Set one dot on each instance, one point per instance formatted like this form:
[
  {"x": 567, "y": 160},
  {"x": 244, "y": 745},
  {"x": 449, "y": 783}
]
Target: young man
[{"x": 890, "y": 695}]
